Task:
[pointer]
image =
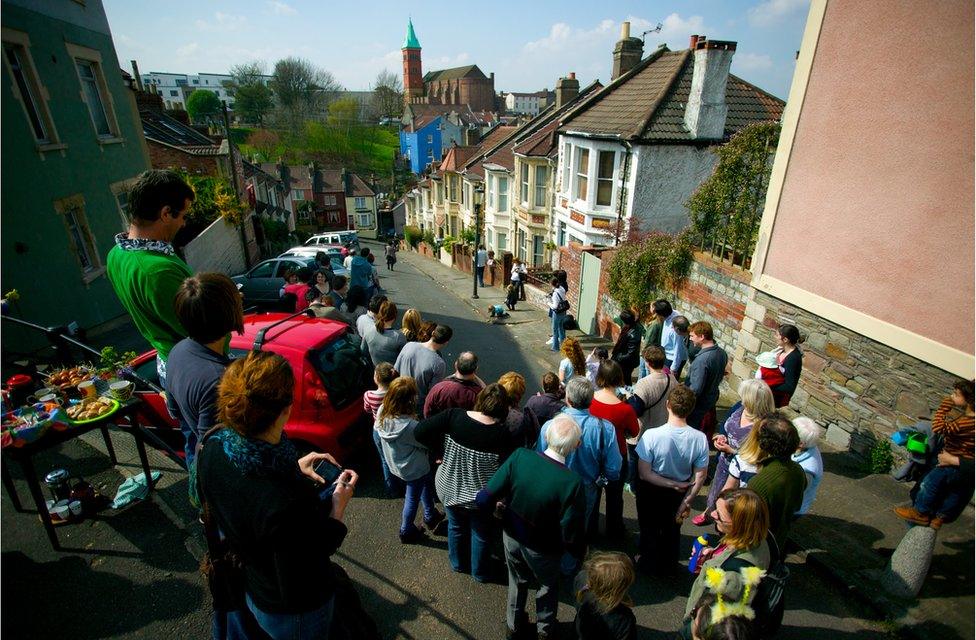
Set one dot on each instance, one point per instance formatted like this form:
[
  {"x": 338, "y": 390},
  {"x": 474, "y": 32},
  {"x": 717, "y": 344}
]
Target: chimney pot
[
  {"x": 694, "y": 42},
  {"x": 625, "y": 30},
  {"x": 572, "y": 75}
]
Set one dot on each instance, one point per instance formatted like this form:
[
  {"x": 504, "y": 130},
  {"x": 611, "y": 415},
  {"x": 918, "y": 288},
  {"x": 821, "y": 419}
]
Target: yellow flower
[
  {"x": 752, "y": 575},
  {"x": 713, "y": 578}
]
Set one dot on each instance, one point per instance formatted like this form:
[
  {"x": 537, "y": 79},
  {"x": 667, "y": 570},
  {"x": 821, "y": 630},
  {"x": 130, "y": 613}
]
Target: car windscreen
[
  {"x": 349, "y": 236},
  {"x": 343, "y": 370}
]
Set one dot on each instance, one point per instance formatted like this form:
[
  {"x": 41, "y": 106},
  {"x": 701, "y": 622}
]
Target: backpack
[{"x": 768, "y": 602}]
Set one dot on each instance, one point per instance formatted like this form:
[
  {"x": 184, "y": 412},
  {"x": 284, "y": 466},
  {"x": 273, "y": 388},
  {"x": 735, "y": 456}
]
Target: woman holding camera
[{"x": 266, "y": 500}]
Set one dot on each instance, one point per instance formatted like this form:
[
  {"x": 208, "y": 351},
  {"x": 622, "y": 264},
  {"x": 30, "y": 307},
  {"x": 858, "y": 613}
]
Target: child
[
  {"x": 396, "y": 421},
  {"x": 372, "y": 401},
  {"x": 496, "y": 311},
  {"x": 511, "y": 296},
  {"x": 598, "y": 355},
  {"x": 604, "y": 607},
  {"x": 769, "y": 370}
]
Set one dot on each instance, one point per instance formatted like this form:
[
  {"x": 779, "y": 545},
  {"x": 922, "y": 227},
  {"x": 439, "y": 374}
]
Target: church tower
[{"x": 413, "y": 78}]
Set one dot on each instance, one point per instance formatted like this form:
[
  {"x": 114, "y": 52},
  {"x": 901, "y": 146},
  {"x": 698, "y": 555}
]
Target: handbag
[{"x": 601, "y": 480}]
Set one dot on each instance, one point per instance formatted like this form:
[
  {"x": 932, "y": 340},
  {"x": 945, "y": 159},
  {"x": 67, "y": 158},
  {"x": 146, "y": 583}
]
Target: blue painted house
[
  {"x": 427, "y": 130},
  {"x": 422, "y": 144}
]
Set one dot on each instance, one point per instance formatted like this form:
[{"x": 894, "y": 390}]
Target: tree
[
  {"x": 387, "y": 95},
  {"x": 202, "y": 105},
  {"x": 253, "y": 99},
  {"x": 302, "y": 89},
  {"x": 727, "y": 207},
  {"x": 343, "y": 113},
  {"x": 648, "y": 267},
  {"x": 265, "y": 142}
]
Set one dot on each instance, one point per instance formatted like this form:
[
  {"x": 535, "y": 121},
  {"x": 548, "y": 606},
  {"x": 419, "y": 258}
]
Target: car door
[{"x": 260, "y": 281}]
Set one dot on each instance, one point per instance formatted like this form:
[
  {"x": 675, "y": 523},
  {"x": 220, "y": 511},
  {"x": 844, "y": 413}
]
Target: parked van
[{"x": 335, "y": 237}]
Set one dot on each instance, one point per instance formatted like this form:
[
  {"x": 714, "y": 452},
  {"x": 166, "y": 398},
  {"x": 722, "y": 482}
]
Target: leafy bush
[
  {"x": 467, "y": 236},
  {"x": 646, "y": 268},
  {"x": 880, "y": 459},
  {"x": 429, "y": 238},
  {"x": 448, "y": 243},
  {"x": 413, "y": 235}
]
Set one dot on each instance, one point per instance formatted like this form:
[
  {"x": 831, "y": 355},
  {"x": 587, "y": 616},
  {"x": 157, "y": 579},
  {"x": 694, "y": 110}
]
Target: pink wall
[{"x": 877, "y": 207}]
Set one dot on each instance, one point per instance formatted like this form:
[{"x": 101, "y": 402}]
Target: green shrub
[
  {"x": 467, "y": 236},
  {"x": 880, "y": 459},
  {"x": 648, "y": 267},
  {"x": 448, "y": 243},
  {"x": 412, "y": 235},
  {"x": 429, "y": 238}
]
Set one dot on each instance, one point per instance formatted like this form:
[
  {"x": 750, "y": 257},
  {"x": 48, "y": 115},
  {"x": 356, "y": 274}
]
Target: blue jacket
[
  {"x": 360, "y": 272},
  {"x": 586, "y": 460}
]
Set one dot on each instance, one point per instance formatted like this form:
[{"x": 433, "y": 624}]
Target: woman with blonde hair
[
  {"x": 396, "y": 422},
  {"x": 411, "y": 325},
  {"x": 742, "y": 518},
  {"x": 757, "y": 401},
  {"x": 573, "y": 364},
  {"x": 250, "y": 475},
  {"x": 603, "y": 603}
]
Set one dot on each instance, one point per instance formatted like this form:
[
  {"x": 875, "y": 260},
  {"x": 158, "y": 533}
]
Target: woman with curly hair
[
  {"x": 573, "y": 364},
  {"x": 266, "y": 500}
]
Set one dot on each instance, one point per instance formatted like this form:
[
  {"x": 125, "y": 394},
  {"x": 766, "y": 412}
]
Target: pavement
[
  {"x": 133, "y": 573},
  {"x": 850, "y": 532}
]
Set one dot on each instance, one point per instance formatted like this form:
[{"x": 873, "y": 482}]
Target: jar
[{"x": 57, "y": 483}]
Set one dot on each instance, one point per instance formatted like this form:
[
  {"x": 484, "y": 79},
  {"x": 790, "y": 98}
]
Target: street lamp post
[{"x": 479, "y": 192}]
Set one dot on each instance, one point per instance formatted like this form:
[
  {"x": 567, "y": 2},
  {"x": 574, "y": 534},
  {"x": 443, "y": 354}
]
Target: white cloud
[
  {"x": 752, "y": 61},
  {"x": 282, "y": 9},
  {"x": 770, "y": 12},
  {"x": 221, "y": 21}
]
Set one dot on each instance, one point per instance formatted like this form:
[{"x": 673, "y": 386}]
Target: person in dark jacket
[
  {"x": 790, "y": 363},
  {"x": 266, "y": 501},
  {"x": 626, "y": 351},
  {"x": 549, "y": 402},
  {"x": 780, "y": 481},
  {"x": 705, "y": 376},
  {"x": 603, "y": 610}
]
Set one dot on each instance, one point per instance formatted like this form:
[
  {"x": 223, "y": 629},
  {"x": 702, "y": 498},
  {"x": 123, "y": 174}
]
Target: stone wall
[{"x": 858, "y": 389}]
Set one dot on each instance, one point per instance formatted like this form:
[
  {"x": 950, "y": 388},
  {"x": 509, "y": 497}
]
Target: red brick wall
[{"x": 163, "y": 157}]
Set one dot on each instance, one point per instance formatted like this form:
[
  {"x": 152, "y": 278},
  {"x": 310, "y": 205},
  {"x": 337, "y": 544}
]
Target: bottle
[{"x": 700, "y": 544}]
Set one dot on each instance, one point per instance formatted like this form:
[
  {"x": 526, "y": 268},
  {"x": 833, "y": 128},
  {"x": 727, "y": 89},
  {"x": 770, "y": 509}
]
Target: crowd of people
[{"x": 520, "y": 480}]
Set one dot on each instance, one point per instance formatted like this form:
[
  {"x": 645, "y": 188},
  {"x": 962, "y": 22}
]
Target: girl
[
  {"x": 511, "y": 296},
  {"x": 411, "y": 325},
  {"x": 372, "y": 401},
  {"x": 745, "y": 464},
  {"x": 573, "y": 364},
  {"x": 396, "y": 421},
  {"x": 603, "y": 605}
]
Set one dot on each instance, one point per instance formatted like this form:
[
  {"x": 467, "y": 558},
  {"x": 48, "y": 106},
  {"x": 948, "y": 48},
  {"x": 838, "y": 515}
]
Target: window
[
  {"x": 524, "y": 194},
  {"x": 567, "y": 161},
  {"x": 430, "y": 154},
  {"x": 466, "y": 194},
  {"x": 195, "y": 81},
  {"x": 94, "y": 90},
  {"x": 430, "y": 138},
  {"x": 297, "y": 194},
  {"x": 27, "y": 87},
  {"x": 453, "y": 196},
  {"x": 121, "y": 193},
  {"x": 490, "y": 191},
  {"x": 538, "y": 247},
  {"x": 330, "y": 200},
  {"x": 304, "y": 214},
  {"x": 174, "y": 93},
  {"x": 582, "y": 166},
  {"x": 364, "y": 220},
  {"x": 541, "y": 174},
  {"x": 263, "y": 270},
  {"x": 520, "y": 248},
  {"x": 180, "y": 82},
  {"x": 360, "y": 203},
  {"x": 80, "y": 239},
  {"x": 562, "y": 234},
  {"x": 502, "y": 241},
  {"x": 503, "y": 194},
  {"x": 604, "y": 178}
]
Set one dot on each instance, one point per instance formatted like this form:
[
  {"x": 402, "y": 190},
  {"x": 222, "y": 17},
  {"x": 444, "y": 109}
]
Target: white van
[{"x": 335, "y": 237}]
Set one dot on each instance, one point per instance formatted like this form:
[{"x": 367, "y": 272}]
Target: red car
[{"x": 331, "y": 375}]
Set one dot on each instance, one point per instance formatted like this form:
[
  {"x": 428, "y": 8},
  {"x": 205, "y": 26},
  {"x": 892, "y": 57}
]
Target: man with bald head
[
  {"x": 543, "y": 505},
  {"x": 458, "y": 390}
]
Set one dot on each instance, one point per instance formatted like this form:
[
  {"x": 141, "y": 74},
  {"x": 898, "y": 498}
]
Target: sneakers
[
  {"x": 436, "y": 522},
  {"x": 701, "y": 520},
  {"x": 412, "y": 536},
  {"x": 914, "y": 516},
  {"x": 937, "y": 522}
]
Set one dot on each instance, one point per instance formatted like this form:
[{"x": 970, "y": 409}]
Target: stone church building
[{"x": 461, "y": 85}]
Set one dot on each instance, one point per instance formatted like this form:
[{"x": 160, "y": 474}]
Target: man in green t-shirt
[{"x": 143, "y": 266}]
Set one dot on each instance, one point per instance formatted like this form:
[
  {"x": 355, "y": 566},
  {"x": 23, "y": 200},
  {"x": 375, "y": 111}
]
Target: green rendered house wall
[{"x": 35, "y": 253}]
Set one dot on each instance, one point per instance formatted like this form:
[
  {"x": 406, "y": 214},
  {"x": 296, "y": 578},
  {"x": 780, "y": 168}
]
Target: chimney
[
  {"x": 135, "y": 74},
  {"x": 347, "y": 183},
  {"x": 706, "y": 109},
  {"x": 627, "y": 52},
  {"x": 566, "y": 89}
]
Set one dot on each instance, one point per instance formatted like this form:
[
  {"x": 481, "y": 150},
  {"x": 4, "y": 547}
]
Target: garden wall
[
  {"x": 217, "y": 248},
  {"x": 858, "y": 389}
]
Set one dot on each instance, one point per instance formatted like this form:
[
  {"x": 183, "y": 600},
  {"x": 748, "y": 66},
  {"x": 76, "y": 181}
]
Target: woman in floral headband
[{"x": 742, "y": 518}]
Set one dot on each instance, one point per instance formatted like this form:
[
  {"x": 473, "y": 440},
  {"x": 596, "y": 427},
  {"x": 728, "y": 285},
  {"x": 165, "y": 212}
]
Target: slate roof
[
  {"x": 543, "y": 143},
  {"x": 469, "y": 71},
  {"x": 161, "y": 128},
  {"x": 648, "y": 102}
]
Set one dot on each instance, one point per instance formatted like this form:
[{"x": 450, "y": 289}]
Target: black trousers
[{"x": 660, "y": 535}]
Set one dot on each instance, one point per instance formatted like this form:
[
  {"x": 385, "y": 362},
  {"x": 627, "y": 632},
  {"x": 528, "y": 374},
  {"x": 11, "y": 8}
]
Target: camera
[{"x": 601, "y": 481}]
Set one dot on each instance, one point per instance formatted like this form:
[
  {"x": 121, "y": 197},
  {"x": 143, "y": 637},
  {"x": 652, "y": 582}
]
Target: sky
[{"x": 527, "y": 44}]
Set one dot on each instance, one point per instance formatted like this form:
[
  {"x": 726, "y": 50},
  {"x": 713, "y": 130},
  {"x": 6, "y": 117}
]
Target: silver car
[{"x": 262, "y": 284}]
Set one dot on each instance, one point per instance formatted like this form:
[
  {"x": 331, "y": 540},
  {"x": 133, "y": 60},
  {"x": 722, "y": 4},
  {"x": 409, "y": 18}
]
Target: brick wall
[
  {"x": 858, "y": 389},
  {"x": 163, "y": 157},
  {"x": 217, "y": 248}
]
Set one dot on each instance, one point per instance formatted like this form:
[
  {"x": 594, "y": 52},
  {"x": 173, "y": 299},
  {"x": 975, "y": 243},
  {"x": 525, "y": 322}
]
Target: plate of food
[
  {"x": 91, "y": 410},
  {"x": 69, "y": 379}
]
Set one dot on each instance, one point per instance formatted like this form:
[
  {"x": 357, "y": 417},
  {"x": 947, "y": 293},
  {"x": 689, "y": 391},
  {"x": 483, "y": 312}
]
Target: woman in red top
[
  {"x": 621, "y": 415},
  {"x": 300, "y": 289}
]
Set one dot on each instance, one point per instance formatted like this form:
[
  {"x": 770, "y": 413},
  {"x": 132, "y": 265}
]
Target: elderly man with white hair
[
  {"x": 808, "y": 457},
  {"x": 542, "y": 504},
  {"x": 598, "y": 460}
]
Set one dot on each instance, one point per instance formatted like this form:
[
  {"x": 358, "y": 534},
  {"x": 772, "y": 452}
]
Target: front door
[{"x": 589, "y": 290}]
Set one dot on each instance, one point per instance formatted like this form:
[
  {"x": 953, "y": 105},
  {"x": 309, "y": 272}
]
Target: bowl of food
[
  {"x": 92, "y": 409},
  {"x": 67, "y": 380}
]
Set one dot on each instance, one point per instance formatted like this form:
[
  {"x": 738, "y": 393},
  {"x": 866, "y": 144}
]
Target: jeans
[
  {"x": 525, "y": 565},
  {"x": 469, "y": 536},
  {"x": 632, "y": 466},
  {"x": 311, "y": 625},
  {"x": 615, "y": 506},
  {"x": 419, "y": 491},
  {"x": 394, "y": 485},
  {"x": 945, "y": 491},
  {"x": 660, "y": 535},
  {"x": 481, "y": 275},
  {"x": 558, "y": 332}
]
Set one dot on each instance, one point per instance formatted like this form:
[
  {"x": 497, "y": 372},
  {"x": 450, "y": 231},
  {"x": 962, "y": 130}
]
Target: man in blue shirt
[
  {"x": 361, "y": 271},
  {"x": 597, "y": 459},
  {"x": 672, "y": 341}
]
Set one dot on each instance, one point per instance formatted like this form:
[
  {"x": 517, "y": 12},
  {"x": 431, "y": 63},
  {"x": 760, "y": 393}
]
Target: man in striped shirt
[{"x": 946, "y": 489}]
